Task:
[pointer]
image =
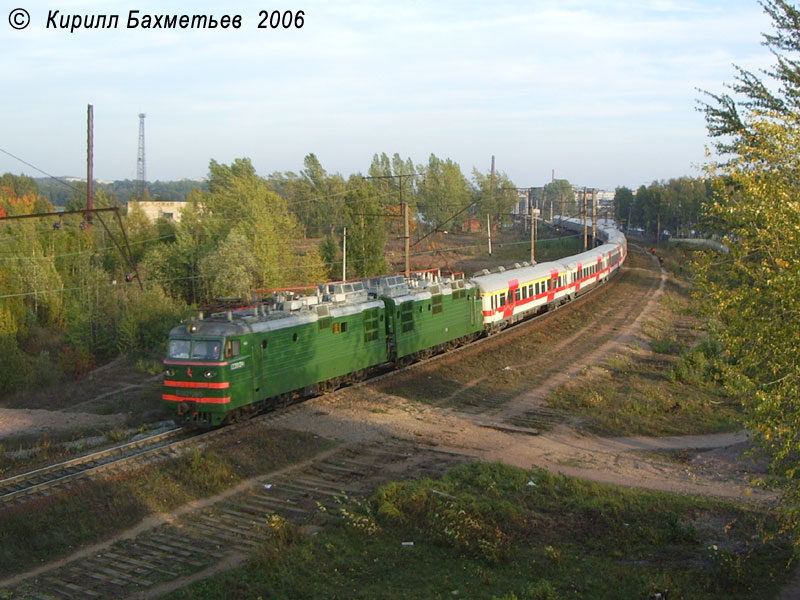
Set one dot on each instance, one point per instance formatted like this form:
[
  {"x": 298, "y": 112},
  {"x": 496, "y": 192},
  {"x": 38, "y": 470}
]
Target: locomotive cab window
[
  {"x": 179, "y": 348},
  {"x": 206, "y": 349}
]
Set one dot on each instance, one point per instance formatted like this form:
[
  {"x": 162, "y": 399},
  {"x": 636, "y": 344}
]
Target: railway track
[
  {"x": 50, "y": 479},
  {"x": 42, "y": 481},
  {"x": 228, "y": 532}
]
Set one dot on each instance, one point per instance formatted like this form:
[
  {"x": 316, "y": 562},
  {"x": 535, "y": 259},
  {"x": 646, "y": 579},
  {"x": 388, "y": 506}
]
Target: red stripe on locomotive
[
  {"x": 198, "y": 384},
  {"x": 172, "y": 398}
]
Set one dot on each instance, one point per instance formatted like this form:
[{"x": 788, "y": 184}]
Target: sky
[{"x": 601, "y": 93}]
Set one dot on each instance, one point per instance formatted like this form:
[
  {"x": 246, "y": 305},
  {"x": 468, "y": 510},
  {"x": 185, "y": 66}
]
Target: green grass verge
[
  {"x": 45, "y": 529},
  {"x": 497, "y": 532},
  {"x": 676, "y": 389}
]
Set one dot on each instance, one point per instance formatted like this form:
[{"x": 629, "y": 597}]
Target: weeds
[{"x": 561, "y": 538}]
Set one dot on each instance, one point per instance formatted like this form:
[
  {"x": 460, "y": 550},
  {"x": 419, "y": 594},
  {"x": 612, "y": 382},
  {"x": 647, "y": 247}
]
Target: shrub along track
[{"x": 388, "y": 437}]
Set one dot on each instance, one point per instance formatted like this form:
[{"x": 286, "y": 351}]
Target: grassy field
[
  {"x": 496, "y": 532},
  {"x": 671, "y": 387}
]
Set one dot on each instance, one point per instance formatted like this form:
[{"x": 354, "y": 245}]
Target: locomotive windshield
[{"x": 194, "y": 349}]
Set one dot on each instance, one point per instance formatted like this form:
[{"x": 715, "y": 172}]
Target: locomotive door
[{"x": 257, "y": 352}]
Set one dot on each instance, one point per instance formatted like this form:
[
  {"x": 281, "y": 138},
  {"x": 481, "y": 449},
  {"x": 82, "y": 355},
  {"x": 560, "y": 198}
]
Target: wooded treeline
[
  {"x": 69, "y": 299},
  {"x": 674, "y": 206}
]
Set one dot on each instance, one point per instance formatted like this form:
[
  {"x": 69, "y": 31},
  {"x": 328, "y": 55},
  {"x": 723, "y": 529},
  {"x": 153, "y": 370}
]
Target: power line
[{"x": 58, "y": 179}]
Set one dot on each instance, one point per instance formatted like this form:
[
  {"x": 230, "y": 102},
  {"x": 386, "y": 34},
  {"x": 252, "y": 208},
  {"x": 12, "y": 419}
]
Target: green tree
[
  {"x": 732, "y": 119},
  {"x": 239, "y": 199},
  {"x": 366, "y": 230},
  {"x": 443, "y": 193},
  {"x": 753, "y": 294},
  {"x": 176, "y": 265},
  {"x": 623, "y": 205},
  {"x": 232, "y": 270},
  {"x": 19, "y": 185},
  {"x": 495, "y": 195},
  {"x": 559, "y": 199}
]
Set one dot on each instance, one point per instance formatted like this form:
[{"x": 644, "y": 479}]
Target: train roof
[
  {"x": 336, "y": 300},
  {"x": 494, "y": 282},
  {"x": 331, "y": 300},
  {"x": 606, "y": 229}
]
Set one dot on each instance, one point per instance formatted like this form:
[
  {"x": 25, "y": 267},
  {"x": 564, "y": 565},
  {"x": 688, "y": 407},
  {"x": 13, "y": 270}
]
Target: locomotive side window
[{"x": 232, "y": 348}]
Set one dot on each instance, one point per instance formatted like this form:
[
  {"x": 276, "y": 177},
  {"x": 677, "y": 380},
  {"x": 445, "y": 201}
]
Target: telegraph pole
[
  {"x": 89, "y": 163},
  {"x": 344, "y": 255},
  {"x": 585, "y": 223},
  {"x": 489, "y": 231},
  {"x": 404, "y": 206}
]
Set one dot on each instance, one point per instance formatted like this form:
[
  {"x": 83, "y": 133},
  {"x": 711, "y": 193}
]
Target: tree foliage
[
  {"x": 494, "y": 195},
  {"x": 559, "y": 199},
  {"x": 366, "y": 230},
  {"x": 443, "y": 193},
  {"x": 754, "y": 293},
  {"x": 674, "y": 205},
  {"x": 732, "y": 118}
]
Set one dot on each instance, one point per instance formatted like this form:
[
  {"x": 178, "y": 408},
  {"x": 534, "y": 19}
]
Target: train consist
[{"x": 235, "y": 363}]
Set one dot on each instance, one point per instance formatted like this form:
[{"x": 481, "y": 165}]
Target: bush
[
  {"x": 75, "y": 362},
  {"x": 149, "y": 316},
  {"x": 17, "y": 368},
  {"x": 46, "y": 372},
  {"x": 701, "y": 364}
]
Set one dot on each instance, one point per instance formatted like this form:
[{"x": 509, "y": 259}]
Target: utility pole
[
  {"x": 489, "y": 231},
  {"x": 404, "y": 206},
  {"x": 89, "y": 163},
  {"x": 585, "y": 223},
  {"x": 491, "y": 203},
  {"x": 344, "y": 255},
  {"x": 594, "y": 217},
  {"x": 534, "y": 214},
  {"x": 406, "y": 235}
]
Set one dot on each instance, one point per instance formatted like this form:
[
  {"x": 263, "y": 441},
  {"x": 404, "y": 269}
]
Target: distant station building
[{"x": 154, "y": 210}]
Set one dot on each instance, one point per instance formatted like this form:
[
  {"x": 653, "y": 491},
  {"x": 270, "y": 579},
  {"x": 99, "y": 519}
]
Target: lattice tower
[{"x": 141, "y": 180}]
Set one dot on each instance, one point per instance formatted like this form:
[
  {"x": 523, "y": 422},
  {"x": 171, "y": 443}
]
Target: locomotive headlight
[
  {"x": 209, "y": 374},
  {"x": 169, "y": 372}
]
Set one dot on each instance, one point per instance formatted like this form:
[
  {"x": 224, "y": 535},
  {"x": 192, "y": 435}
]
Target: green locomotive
[{"x": 235, "y": 363}]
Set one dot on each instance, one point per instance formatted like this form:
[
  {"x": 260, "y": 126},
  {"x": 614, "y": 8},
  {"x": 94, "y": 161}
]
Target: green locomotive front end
[
  {"x": 236, "y": 363},
  {"x": 208, "y": 371}
]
